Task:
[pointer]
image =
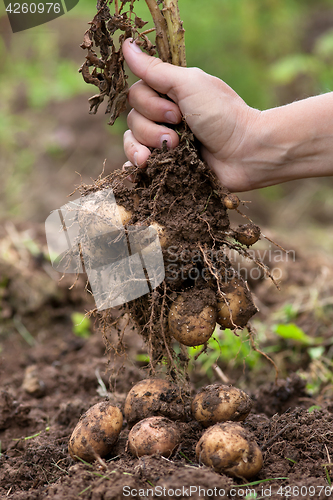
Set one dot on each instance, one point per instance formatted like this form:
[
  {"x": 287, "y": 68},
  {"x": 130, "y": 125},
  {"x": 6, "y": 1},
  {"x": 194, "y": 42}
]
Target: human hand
[
  {"x": 217, "y": 116},
  {"x": 246, "y": 148}
]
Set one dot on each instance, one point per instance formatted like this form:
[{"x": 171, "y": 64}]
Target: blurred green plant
[
  {"x": 142, "y": 358},
  {"x": 290, "y": 331},
  {"x": 227, "y": 348},
  {"x": 81, "y": 325},
  {"x": 314, "y": 407},
  {"x": 254, "y": 46},
  {"x": 316, "y": 65},
  {"x": 319, "y": 374}
]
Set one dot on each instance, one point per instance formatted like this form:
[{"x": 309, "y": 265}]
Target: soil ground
[{"x": 50, "y": 376}]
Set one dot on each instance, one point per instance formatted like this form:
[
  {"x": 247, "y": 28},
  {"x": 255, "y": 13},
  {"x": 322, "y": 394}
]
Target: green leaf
[
  {"x": 142, "y": 358},
  {"x": 81, "y": 325},
  {"x": 314, "y": 407},
  {"x": 286, "y": 69},
  {"x": 292, "y": 332},
  {"x": 324, "y": 44},
  {"x": 316, "y": 352}
]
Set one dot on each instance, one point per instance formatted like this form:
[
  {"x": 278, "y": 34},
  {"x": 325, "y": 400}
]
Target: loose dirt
[{"x": 45, "y": 387}]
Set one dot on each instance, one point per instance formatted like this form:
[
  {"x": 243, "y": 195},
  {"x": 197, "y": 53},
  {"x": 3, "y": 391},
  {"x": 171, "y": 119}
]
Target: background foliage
[{"x": 270, "y": 51}]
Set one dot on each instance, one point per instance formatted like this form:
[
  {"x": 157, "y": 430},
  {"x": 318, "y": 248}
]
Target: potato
[
  {"x": 161, "y": 233},
  {"x": 219, "y": 403},
  {"x": 240, "y": 302},
  {"x": 152, "y": 397},
  {"x": 247, "y": 234},
  {"x": 102, "y": 235},
  {"x": 153, "y": 435},
  {"x": 100, "y": 217},
  {"x": 192, "y": 318},
  {"x": 230, "y": 449},
  {"x": 231, "y": 201},
  {"x": 96, "y": 432}
]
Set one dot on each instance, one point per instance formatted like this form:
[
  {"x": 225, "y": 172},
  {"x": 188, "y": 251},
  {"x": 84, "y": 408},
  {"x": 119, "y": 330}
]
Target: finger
[
  {"x": 150, "y": 133},
  {"x": 149, "y": 104},
  {"x": 127, "y": 165},
  {"x": 161, "y": 76},
  {"x": 136, "y": 152}
]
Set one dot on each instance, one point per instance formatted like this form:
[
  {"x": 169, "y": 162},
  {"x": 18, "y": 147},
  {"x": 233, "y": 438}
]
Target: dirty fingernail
[
  {"x": 171, "y": 117},
  {"x": 135, "y": 47},
  {"x": 127, "y": 165},
  {"x": 167, "y": 138}
]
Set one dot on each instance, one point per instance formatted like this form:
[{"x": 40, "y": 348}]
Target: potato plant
[{"x": 177, "y": 194}]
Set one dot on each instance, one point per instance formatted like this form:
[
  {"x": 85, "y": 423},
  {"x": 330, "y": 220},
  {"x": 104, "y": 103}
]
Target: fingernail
[
  {"x": 171, "y": 117},
  {"x": 127, "y": 165},
  {"x": 135, "y": 47},
  {"x": 135, "y": 157},
  {"x": 167, "y": 138}
]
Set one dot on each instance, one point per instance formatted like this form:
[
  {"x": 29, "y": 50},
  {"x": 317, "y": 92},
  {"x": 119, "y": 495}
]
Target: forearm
[{"x": 296, "y": 141}]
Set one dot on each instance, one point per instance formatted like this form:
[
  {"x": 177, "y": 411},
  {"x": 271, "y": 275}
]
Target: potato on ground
[
  {"x": 153, "y": 435},
  {"x": 219, "y": 403},
  {"x": 96, "y": 432},
  {"x": 238, "y": 306},
  {"x": 192, "y": 317},
  {"x": 152, "y": 397},
  {"x": 230, "y": 449}
]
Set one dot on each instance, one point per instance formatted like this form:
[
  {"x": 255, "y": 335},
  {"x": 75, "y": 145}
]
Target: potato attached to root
[
  {"x": 219, "y": 403},
  {"x": 231, "y": 201},
  {"x": 247, "y": 234},
  {"x": 162, "y": 234},
  {"x": 238, "y": 306},
  {"x": 102, "y": 231},
  {"x": 96, "y": 432},
  {"x": 152, "y": 397},
  {"x": 192, "y": 317},
  {"x": 100, "y": 216},
  {"x": 153, "y": 435},
  {"x": 230, "y": 449}
]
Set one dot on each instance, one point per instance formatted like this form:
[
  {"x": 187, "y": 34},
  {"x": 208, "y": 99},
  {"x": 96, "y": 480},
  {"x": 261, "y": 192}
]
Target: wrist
[{"x": 295, "y": 141}]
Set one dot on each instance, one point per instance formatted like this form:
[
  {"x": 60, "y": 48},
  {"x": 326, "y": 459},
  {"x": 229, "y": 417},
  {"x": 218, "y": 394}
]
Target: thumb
[{"x": 162, "y": 77}]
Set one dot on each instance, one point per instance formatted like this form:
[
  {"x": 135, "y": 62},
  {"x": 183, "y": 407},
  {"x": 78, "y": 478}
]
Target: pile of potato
[{"x": 154, "y": 409}]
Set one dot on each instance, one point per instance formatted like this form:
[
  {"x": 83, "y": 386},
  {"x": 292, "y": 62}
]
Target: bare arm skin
[{"x": 246, "y": 148}]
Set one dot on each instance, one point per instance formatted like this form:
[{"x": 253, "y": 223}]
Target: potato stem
[
  {"x": 176, "y": 32},
  {"x": 162, "y": 42}
]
